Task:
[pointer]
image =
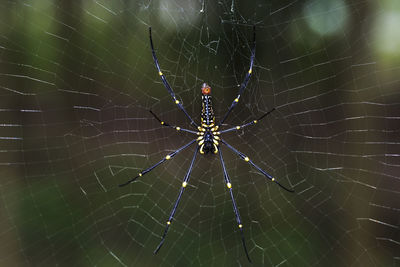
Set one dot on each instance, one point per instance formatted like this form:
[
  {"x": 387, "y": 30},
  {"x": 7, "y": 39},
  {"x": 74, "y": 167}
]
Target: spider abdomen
[
  {"x": 207, "y": 113},
  {"x": 208, "y": 139}
]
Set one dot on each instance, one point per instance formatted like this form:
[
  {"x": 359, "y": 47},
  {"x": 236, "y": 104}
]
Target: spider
[{"x": 208, "y": 140}]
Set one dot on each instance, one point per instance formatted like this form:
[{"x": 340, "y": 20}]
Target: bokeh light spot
[
  {"x": 326, "y": 17},
  {"x": 388, "y": 33}
]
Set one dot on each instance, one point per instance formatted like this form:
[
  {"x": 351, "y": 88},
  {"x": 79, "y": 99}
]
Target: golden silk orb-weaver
[{"x": 208, "y": 140}]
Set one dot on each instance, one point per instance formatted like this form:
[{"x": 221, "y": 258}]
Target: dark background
[{"x": 77, "y": 81}]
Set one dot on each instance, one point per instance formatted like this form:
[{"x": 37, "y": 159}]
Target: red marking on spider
[{"x": 206, "y": 89}]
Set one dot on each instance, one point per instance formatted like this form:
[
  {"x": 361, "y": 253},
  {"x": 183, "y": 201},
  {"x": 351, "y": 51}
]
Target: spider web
[{"x": 77, "y": 81}]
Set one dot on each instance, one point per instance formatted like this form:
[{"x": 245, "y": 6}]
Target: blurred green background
[{"x": 77, "y": 81}]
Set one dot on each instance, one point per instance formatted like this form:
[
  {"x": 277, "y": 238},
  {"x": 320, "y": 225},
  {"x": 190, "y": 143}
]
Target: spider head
[
  {"x": 208, "y": 147},
  {"x": 206, "y": 89},
  {"x": 208, "y": 143}
]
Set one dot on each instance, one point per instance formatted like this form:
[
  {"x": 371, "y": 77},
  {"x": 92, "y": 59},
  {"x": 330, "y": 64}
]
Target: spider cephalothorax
[{"x": 208, "y": 139}]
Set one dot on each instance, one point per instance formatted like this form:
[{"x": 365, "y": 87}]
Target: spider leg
[
  {"x": 238, "y": 220},
  {"x": 247, "y": 124},
  {"x": 163, "y": 123},
  {"x": 245, "y": 81},
  {"x": 166, "y": 84},
  {"x": 167, "y": 157},
  {"x": 245, "y": 158},
  {"x": 171, "y": 216}
]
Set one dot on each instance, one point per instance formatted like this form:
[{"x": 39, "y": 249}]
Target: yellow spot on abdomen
[
  {"x": 246, "y": 159},
  {"x": 167, "y": 157},
  {"x": 160, "y": 73},
  {"x": 229, "y": 185}
]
